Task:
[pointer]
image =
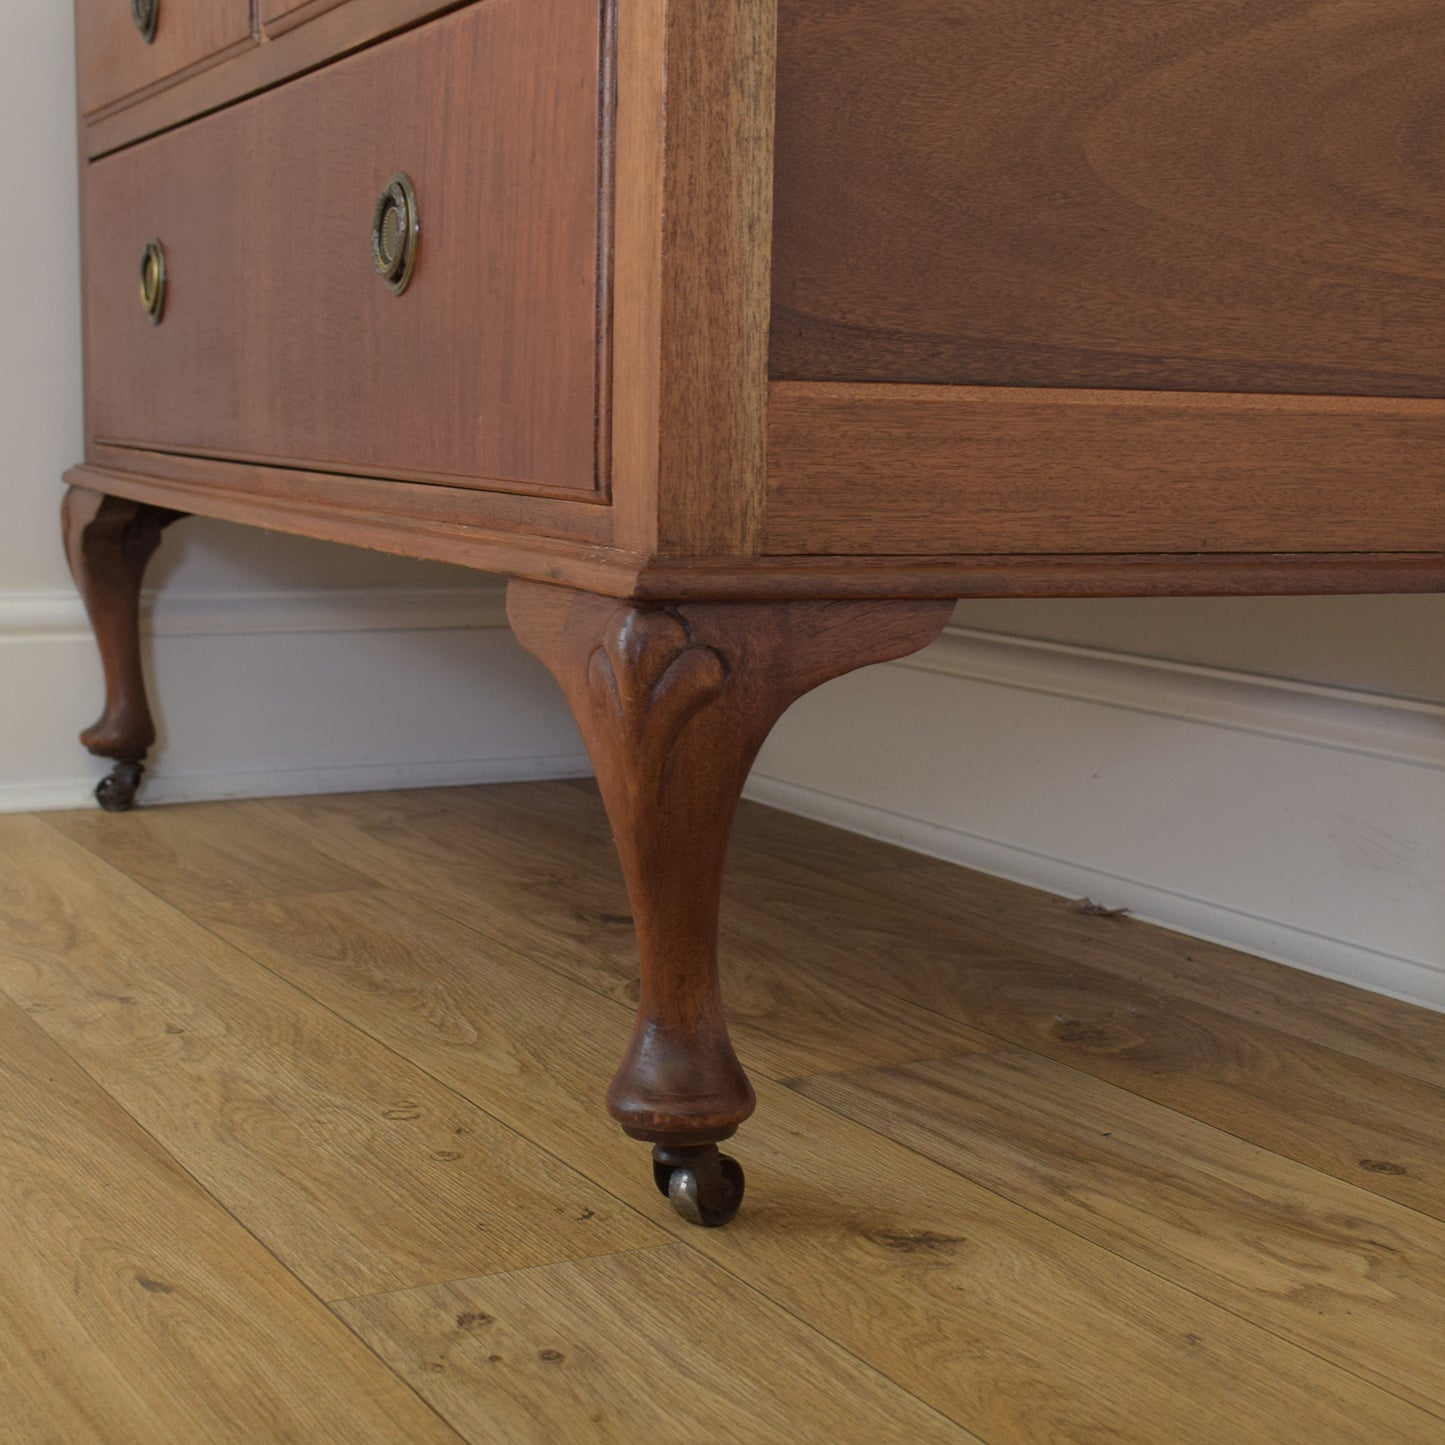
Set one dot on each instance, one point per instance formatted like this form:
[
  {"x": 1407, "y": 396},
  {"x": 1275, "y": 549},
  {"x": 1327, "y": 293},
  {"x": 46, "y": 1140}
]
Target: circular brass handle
[
  {"x": 395, "y": 230},
  {"x": 153, "y": 281},
  {"x": 145, "y": 13}
]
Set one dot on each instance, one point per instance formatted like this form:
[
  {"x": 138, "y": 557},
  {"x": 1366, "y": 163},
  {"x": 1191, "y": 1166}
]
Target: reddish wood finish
[
  {"x": 583, "y": 518},
  {"x": 694, "y": 201},
  {"x": 108, "y": 542},
  {"x": 673, "y": 704},
  {"x": 278, "y": 16},
  {"x": 114, "y": 61},
  {"x": 280, "y": 343},
  {"x": 346, "y": 27},
  {"x": 546, "y": 541},
  {"x": 929, "y": 469},
  {"x": 1235, "y": 195}
]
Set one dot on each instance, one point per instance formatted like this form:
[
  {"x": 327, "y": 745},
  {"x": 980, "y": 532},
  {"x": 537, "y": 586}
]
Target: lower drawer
[{"x": 278, "y": 340}]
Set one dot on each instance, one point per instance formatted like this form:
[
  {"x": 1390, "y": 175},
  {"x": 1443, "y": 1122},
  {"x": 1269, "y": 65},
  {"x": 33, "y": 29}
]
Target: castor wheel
[
  {"x": 116, "y": 791},
  {"x": 705, "y": 1187}
]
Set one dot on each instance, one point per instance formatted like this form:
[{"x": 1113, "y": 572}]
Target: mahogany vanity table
[{"x": 745, "y": 336}]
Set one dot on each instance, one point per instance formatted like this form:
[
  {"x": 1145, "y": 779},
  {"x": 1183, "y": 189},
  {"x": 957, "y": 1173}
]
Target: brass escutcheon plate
[
  {"x": 146, "y": 13},
  {"x": 153, "y": 281},
  {"x": 395, "y": 233}
]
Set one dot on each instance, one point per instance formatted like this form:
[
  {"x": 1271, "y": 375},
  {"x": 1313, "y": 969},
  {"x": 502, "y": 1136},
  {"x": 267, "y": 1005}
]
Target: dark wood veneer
[{"x": 1235, "y": 195}]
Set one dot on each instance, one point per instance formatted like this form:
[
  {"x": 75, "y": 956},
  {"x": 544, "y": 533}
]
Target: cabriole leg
[
  {"x": 108, "y": 542},
  {"x": 673, "y": 702}
]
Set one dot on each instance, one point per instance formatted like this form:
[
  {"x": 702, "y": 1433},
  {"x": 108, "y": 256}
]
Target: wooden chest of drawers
[{"x": 745, "y": 337}]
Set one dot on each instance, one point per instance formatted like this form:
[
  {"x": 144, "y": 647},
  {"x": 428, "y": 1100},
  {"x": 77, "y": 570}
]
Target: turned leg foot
[
  {"x": 673, "y": 702},
  {"x": 108, "y": 542}
]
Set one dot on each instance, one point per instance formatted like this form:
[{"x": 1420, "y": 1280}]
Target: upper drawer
[
  {"x": 279, "y": 341},
  {"x": 116, "y": 60},
  {"x": 281, "y": 15}
]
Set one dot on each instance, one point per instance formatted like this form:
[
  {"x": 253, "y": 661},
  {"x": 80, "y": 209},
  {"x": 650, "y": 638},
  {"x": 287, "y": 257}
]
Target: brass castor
[
  {"x": 705, "y": 1187},
  {"x": 116, "y": 792}
]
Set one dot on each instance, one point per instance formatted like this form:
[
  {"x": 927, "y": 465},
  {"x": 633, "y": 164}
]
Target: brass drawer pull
[
  {"x": 395, "y": 230},
  {"x": 153, "y": 281},
  {"x": 145, "y": 13}
]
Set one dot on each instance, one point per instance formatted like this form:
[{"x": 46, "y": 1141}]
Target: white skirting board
[
  {"x": 1303, "y": 823},
  {"x": 261, "y": 693}
]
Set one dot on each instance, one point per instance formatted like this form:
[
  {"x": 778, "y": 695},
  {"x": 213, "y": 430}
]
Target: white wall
[{"x": 1270, "y": 773}]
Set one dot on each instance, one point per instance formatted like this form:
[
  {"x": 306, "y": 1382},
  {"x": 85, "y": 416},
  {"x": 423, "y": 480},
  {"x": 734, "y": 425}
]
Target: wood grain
[
  {"x": 115, "y": 63},
  {"x": 554, "y": 890},
  {"x": 204, "y": 854},
  {"x": 694, "y": 209},
  {"x": 335, "y": 32},
  {"x": 564, "y": 542},
  {"x": 419, "y": 502},
  {"x": 786, "y": 1016},
  {"x": 898, "y": 469},
  {"x": 280, "y": 343},
  {"x": 1204, "y": 195},
  {"x": 1347, "y": 1108},
  {"x": 1359, "y": 1121},
  {"x": 279, "y": 16},
  {"x": 1352, "y": 1278},
  {"x": 673, "y": 704},
  {"x": 360, "y": 1173},
  {"x": 134, "y": 1309},
  {"x": 552, "y": 1354},
  {"x": 1011, "y": 1325},
  {"x": 1397, "y": 1036}
]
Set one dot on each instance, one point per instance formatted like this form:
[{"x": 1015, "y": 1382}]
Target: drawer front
[
  {"x": 280, "y": 342},
  {"x": 280, "y": 15},
  {"x": 115, "y": 60}
]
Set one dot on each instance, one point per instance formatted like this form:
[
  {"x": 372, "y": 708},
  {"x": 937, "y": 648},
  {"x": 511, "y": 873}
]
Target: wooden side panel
[
  {"x": 694, "y": 211},
  {"x": 929, "y": 470},
  {"x": 279, "y": 343},
  {"x": 115, "y": 61},
  {"x": 1237, "y": 195}
]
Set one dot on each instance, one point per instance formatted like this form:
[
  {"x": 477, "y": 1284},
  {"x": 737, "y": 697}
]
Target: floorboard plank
[
  {"x": 1356, "y": 1279},
  {"x": 1361, "y": 1121},
  {"x": 1013, "y": 1327},
  {"x": 134, "y": 1310},
  {"x": 553, "y": 886},
  {"x": 656, "y": 1345},
  {"x": 205, "y": 851},
  {"x": 1395, "y": 1035},
  {"x": 355, "y": 1167}
]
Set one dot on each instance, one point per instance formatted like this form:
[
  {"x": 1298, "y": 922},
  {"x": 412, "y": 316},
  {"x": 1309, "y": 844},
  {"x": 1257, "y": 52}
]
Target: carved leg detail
[
  {"x": 673, "y": 702},
  {"x": 108, "y": 541}
]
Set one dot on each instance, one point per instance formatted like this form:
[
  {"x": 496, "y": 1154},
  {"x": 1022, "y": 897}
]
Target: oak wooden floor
[{"x": 301, "y": 1140}]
